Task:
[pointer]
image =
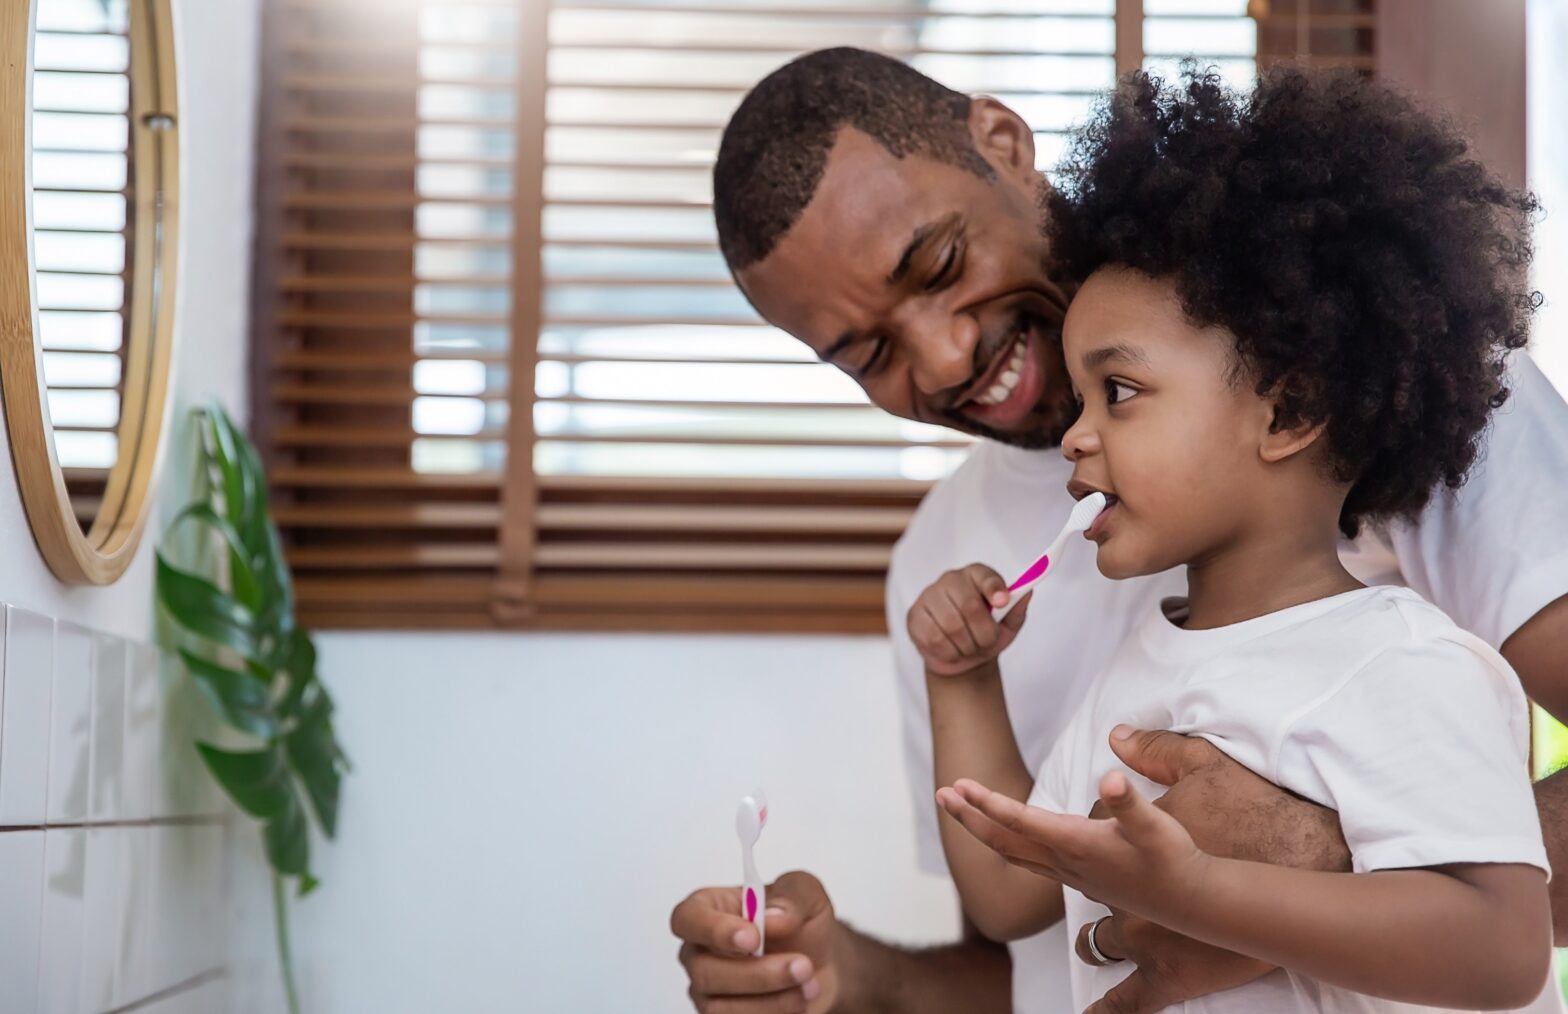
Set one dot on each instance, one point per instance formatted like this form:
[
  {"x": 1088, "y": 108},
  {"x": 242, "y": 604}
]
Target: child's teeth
[{"x": 1009, "y": 378}]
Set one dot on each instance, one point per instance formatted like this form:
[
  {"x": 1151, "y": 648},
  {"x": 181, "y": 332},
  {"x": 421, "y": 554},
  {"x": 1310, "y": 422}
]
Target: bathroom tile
[
  {"x": 104, "y": 916},
  {"x": 70, "y": 736},
  {"x": 24, "y": 740},
  {"x": 141, "y": 780},
  {"x": 64, "y": 914},
  {"x": 187, "y": 788},
  {"x": 108, "y": 747},
  {"x": 190, "y": 885},
  {"x": 21, "y": 917},
  {"x": 140, "y": 931}
]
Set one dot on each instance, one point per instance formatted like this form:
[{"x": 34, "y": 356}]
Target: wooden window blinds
[{"x": 501, "y": 376}]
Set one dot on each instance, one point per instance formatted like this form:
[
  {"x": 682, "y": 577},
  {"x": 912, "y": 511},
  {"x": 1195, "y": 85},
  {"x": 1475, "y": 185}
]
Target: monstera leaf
[{"x": 252, "y": 663}]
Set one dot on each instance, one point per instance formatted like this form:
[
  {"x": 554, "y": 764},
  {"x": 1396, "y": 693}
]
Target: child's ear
[
  {"x": 1002, "y": 138},
  {"x": 1286, "y": 433}
]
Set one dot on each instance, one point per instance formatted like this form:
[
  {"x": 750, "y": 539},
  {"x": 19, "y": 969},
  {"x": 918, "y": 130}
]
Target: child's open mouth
[{"x": 1097, "y": 528}]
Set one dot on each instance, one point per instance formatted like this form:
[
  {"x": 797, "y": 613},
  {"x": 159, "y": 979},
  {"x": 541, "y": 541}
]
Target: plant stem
[{"x": 280, "y": 913}]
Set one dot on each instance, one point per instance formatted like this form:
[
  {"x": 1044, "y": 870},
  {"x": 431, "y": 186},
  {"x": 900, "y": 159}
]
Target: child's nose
[{"x": 1080, "y": 441}]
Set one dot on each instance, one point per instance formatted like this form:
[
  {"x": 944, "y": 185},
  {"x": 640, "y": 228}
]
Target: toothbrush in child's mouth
[
  {"x": 1079, "y": 520},
  {"x": 750, "y": 816}
]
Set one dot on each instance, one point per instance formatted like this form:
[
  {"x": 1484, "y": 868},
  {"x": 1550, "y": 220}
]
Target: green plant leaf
[
  {"x": 205, "y": 610},
  {"x": 246, "y": 588},
  {"x": 238, "y": 496},
  {"x": 239, "y": 698},
  {"x": 288, "y": 839},
  {"x": 313, "y": 753},
  {"x": 301, "y": 667},
  {"x": 307, "y": 883},
  {"x": 257, "y": 780}
]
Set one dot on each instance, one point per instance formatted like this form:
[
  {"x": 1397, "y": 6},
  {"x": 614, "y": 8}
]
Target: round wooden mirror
[{"x": 89, "y": 237}]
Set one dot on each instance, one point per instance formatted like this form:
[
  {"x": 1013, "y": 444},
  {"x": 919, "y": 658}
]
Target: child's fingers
[
  {"x": 975, "y": 615},
  {"x": 1140, "y": 820},
  {"x": 951, "y": 622},
  {"x": 930, "y": 638},
  {"x": 990, "y": 584},
  {"x": 1015, "y": 617}
]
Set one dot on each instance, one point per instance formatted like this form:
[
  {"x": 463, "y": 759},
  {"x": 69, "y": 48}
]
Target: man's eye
[
  {"x": 945, "y": 271},
  {"x": 875, "y": 360},
  {"x": 1116, "y": 391}
]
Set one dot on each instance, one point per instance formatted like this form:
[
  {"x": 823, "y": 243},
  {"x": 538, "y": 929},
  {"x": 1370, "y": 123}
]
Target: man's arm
[
  {"x": 1538, "y": 651},
  {"x": 816, "y": 964},
  {"x": 974, "y": 974}
]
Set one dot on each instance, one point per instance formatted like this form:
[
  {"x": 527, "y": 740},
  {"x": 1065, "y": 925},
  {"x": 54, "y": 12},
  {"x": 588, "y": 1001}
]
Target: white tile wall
[
  {"x": 113, "y": 844},
  {"x": 24, "y": 741}
]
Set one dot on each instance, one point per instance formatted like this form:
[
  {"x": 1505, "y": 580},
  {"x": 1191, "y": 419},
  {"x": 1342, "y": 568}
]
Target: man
[{"x": 894, "y": 227}]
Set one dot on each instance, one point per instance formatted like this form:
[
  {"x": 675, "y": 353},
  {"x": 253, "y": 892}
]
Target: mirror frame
[{"x": 102, "y": 553}]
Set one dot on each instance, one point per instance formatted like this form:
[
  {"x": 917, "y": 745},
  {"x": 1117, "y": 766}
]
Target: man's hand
[
  {"x": 799, "y": 974},
  {"x": 1229, "y": 811}
]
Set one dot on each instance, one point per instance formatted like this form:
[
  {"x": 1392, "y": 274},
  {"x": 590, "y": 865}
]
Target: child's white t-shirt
[{"x": 1372, "y": 703}]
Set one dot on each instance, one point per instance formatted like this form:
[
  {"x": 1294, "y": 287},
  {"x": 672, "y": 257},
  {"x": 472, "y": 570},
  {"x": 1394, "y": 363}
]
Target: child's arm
[
  {"x": 959, "y": 639},
  {"x": 1468, "y": 935}
]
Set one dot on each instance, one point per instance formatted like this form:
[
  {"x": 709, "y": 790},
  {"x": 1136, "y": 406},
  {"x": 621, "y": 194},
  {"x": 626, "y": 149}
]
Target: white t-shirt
[
  {"x": 1372, "y": 703},
  {"x": 1491, "y": 556}
]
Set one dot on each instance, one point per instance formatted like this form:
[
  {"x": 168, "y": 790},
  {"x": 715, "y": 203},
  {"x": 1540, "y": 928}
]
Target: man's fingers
[
  {"x": 711, "y": 918},
  {"x": 1105, "y": 938},
  {"x": 1163, "y": 757},
  {"x": 1136, "y": 994},
  {"x": 791, "y": 1001},
  {"x": 716, "y": 975}
]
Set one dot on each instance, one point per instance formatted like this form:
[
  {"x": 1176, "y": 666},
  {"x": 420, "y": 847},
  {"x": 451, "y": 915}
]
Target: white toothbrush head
[
  {"x": 750, "y": 817},
  {"x": 1087, "y": 510}
]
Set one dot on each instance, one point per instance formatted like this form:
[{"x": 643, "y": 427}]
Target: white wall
[
  {"x": 104, "y": 900},
  {"x": 1548, "y": 168},
  {"x": 526, "y": 810}
]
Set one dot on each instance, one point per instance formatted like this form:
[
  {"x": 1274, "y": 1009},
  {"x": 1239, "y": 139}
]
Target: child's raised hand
[
  {"x": 952, "y": 623},
  {"x": 1141, "y": 860}
]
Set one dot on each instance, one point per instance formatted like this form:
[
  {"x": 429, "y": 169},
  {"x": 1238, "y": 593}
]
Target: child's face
[{"x": 1169, "y": 428}]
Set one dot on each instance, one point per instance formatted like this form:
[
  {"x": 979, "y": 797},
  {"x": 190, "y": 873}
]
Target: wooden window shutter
[
  {"x": 502, "y": 377},
  {"x": 1317, "y": 33}
]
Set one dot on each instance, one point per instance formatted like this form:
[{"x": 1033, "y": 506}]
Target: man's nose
[{"x": 942, "y": 351}]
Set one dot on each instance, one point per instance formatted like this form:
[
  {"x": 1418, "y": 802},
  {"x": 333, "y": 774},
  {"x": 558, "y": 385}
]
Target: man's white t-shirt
[
  {"x": 1490, "y": 556},
  {"x": 1372, "y": 703}
]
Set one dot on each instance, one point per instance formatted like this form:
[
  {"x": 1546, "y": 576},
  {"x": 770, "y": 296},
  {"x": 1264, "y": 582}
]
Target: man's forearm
[
  {"x": 973, "y": 975},
  {"x": 1551, "y": 800}
]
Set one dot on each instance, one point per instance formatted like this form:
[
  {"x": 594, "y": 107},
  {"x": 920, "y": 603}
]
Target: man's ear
[{"x": 1002, "y": 138}]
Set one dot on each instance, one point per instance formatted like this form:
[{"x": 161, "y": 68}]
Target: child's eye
[{"x": 1116, "y": 391}]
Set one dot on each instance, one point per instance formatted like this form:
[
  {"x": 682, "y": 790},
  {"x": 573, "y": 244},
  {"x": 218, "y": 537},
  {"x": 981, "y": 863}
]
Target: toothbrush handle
[
  {"x": 754, "y": 901},
  {"x": 1048, "y": 559}
]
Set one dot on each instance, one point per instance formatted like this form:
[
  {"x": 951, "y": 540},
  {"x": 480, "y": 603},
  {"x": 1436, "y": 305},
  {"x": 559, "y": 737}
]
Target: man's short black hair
[
  {"x": 1373, "y": 273},
  {"x": 776, "y": 145}
]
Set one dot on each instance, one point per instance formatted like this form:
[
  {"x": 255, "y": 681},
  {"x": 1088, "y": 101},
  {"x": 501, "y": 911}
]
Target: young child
[{"x": 1293, "y": 320}]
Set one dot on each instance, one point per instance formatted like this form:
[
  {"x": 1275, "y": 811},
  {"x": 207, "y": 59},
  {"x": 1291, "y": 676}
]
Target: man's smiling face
[{"x": 928, "y": 285}]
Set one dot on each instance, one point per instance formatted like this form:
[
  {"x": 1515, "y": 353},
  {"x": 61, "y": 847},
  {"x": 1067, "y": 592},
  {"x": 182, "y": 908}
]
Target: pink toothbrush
[
  {"x": 750, "y": 816},
  {"x": 1079, "y": 520}
]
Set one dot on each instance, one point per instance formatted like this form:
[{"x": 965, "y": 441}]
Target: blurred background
[{"x": 591, "y": 550}]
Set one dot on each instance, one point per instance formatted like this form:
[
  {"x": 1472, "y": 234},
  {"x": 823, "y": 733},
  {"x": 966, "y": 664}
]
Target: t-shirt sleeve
[
  {"x": 915, "y": 720},
  {"x": 1494, "y": 553},
  {"x": 1424, "y": 753}
]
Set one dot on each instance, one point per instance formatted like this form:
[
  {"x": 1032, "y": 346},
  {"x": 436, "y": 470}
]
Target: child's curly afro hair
[{"x": 1374, "y": 274}]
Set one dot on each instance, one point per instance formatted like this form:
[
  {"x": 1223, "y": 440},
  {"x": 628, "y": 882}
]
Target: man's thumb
[
  {"x": 1163, "y": 757},
  {"x": 1133, "y": 995},
  {"x": 792, "y": 901}
]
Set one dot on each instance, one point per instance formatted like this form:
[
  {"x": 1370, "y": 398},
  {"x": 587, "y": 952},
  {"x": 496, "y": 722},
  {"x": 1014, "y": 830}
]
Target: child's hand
[
  {"x": 952, "y": 623},
  {"x": 1141, "y": 860}
]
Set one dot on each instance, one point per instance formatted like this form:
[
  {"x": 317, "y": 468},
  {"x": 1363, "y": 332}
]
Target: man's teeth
[{"x": 1008, "y": 379}]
